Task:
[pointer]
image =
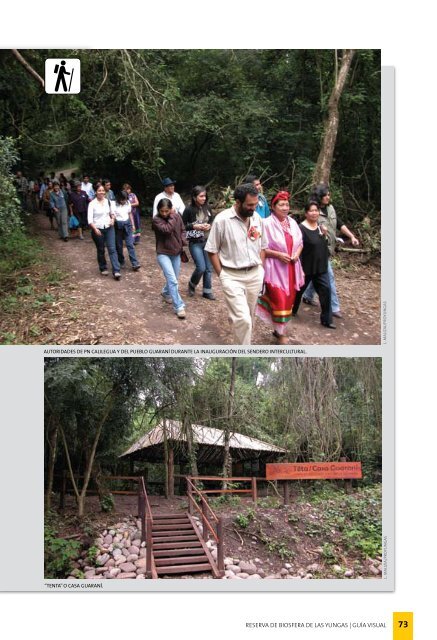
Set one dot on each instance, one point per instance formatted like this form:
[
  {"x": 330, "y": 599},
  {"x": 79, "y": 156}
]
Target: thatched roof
[{"x": 209, "y": 443}]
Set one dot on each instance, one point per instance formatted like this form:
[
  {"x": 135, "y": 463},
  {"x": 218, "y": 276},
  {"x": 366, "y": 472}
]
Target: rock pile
[{"x": 120, "y": 554}]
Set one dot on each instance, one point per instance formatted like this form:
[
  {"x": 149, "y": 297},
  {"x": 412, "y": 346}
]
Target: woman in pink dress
[{"x": 283, "y": 271}]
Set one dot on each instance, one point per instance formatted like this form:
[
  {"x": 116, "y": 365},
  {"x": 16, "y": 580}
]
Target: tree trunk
[
  {"x": 170, "y": 489},
  {"x": 227, "y": 458},
  {"x": 80, "y": 496},
  {"x": 28, "y": 67},
  {"x": 322, "y": 170},
  {"x": 191, "y": 447},
  {"x": 52, "y": 445}
]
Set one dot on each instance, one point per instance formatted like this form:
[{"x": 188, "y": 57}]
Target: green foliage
[
  {"x": 107, "y": 503},
  {"x": 280, "y": 548},
  {"x": 206, "y": 115},
  {"x": 227, "y": 499},
  {"x": 328, "y": 553},
  {"x": 355, "y": 519},
  {"x": 58, "y": 552},
  {"x": 244, "y": 519},
  {"x": 92, "y": 554},
  {"x": 270, "y": 502},
  {"x": 10, "y": 220}
]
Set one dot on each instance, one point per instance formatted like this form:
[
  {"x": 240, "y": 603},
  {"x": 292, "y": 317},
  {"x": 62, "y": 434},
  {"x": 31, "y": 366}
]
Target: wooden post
[
  {"x": 190, "y": 495},
  {"x": 286, "y": 493},
  {"x": 254, "y": 490},
  {"x": 148, "y": 547},
  {"x": 204, "y": 519},
  {"x": 143, "y": 518},
  {"x": 139, "y": 497},
  {"x": 170, "y": 472},
  {"x": 220, "y": 559}
]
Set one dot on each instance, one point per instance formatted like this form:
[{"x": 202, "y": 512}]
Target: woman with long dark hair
[
  {"x": 197, "y": 219},
  {"x": 314, "y": 259},
  {"x": 101, "y": 220},
  {"x": 170, "y": 240},
  {"x": 122, "y": 210}
]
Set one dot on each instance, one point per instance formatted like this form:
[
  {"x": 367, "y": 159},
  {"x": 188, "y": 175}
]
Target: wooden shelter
[{"x": 167, "y": 443}]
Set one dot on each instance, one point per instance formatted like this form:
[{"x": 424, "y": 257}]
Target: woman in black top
[
  {"x": 314, "y": 260},
  {"x": 197, "y": 219}
]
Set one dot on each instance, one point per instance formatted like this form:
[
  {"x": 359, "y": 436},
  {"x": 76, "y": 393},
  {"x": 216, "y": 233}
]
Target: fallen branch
[
  {"x": 350, "y": 250},
  {"x": 241, "y": 539},
  {"x": 27, "y": 66},
  {"x": 275, "y": 489}
]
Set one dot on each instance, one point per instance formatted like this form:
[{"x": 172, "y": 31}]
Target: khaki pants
[{"x": 241, "y": 289}]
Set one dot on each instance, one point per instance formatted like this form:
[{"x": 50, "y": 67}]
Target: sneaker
[
  {"x": 181, "y": 314},
  {"x": 337, "y": 314},
  {"x": 209, "y": 296},
  {"x": 105, "y": 272},
  {"x": 166, "y": 298},
  {"x": 191, "y": 289},
  {"x": 117, "y": 275},
  {"x": 138, "y": 266}
]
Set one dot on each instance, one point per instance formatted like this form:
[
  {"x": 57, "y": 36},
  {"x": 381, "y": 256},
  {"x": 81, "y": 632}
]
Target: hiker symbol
[{"x": 62, "y": 75}]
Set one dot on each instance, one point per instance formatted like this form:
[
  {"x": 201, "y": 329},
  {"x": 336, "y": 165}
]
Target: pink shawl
[{"x": 276, "y": 272}]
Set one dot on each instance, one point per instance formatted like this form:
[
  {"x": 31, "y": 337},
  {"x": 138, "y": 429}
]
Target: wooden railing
[
  {"x": 67, "y": 487},
  {"x": 146, "y": 517},
  {"x": 253, "y": 485},
  {"x": 208, "y": 516}
]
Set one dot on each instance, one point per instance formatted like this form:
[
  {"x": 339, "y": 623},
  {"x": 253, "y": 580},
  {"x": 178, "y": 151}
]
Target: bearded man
[{"x": 236, "y": 247}]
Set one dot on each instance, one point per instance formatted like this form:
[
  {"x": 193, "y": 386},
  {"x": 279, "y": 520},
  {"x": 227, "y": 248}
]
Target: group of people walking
[{"x": 265, "y": 261}]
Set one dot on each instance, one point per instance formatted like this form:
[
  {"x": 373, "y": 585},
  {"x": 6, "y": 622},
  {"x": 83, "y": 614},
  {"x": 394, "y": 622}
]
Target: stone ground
[
  {"x": 91, "y": 309},
  {"x": 118, "y": 552}
]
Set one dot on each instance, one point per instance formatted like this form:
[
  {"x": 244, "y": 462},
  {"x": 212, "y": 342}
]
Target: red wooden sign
[{"x": 313, "y": 470}]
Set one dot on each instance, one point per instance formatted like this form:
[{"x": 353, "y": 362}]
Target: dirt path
[{"x": 99, "y": 310}]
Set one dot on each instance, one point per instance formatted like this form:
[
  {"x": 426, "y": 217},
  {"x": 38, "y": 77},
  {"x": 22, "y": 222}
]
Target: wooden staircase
[{"x": 178, "y": 547}]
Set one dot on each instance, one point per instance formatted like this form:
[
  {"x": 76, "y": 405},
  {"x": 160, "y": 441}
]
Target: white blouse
[{"x": 99, "y": 213}]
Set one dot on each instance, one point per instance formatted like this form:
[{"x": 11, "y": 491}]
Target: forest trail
[{"x": 94, "y": 309}]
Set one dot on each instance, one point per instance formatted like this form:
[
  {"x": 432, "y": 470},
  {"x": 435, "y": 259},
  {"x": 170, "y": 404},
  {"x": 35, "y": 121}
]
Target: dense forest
[
  {"x": 293, "y": 117},
  {"x": 318, "y": 409},
  {"x": 202, "y": 116}
]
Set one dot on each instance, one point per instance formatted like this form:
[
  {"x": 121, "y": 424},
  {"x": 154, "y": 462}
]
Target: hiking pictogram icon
[{"x": 62, "y": 75}]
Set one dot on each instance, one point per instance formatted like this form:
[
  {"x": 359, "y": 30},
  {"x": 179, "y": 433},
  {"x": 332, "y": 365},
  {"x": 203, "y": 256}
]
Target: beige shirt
[{"x": 234, "y": 241}]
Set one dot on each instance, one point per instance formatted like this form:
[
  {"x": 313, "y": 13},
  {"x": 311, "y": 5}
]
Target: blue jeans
[
  {"x": 335, "y": 303},
  {"x": 203, "y": 266},
  {"x": 107, "y": 238},
  {"x": 123, "y": 231},
  {"x": 171, "y": 265}
]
